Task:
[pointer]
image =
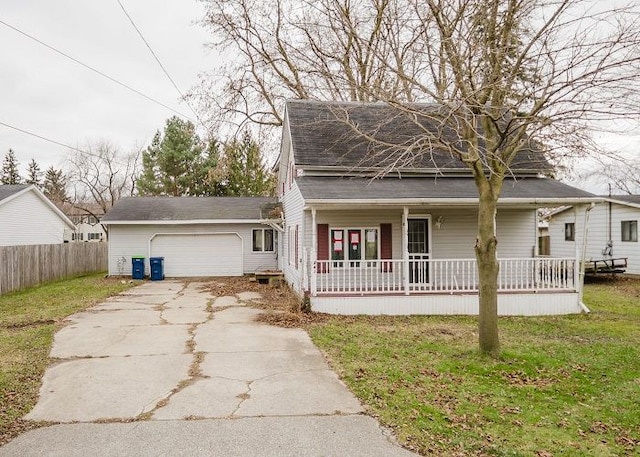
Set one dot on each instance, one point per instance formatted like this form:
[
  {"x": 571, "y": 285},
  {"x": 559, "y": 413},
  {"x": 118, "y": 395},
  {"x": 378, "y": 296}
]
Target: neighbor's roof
[
  {"x": 634, "y": 200},
  {"x": 321, "y": 136},
  {"x": 80, "y": 208},
  {"x": 439, "y": 190},
  {"x": 7, "y": 190},
  {"x": 186, "y": 209},
  {"x": 10, "y": 191}
]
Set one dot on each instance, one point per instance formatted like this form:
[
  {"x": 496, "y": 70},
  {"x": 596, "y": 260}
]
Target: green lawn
[
  {"x": 28, "y": 320},
  {"x": 564, "y": 386}
]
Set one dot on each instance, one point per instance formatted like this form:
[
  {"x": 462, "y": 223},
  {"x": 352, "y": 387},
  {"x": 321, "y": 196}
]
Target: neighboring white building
[
  {"x": 27, "y": 216},
  {"x": 87, "y": 221},
  {"x": 612, "y": 231},
  {"x": 197, "y": 236}
]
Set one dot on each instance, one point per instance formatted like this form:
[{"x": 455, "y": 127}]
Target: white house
[
  {"x": 403, "y": 244},
  {"x": 612, "y": 233},
  {"x": 196, "y": 236},
  {"x": 27, "y": 216},
  {"x": 86, "y": 218}
]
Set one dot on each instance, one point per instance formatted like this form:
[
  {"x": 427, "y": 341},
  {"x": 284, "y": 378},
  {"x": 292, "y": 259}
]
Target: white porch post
[
  {"x": 405, "y": 248},
  {"x": 314, "y": 254},
  {"x": 583, "y": 255}
]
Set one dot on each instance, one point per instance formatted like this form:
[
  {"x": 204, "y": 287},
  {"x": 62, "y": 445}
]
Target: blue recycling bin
[
  {"x": 137, "y": 267},
  {"x": 157, "y": 268}
]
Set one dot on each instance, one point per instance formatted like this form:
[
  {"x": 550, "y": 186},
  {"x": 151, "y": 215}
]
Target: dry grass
[{"x": 28, "y": 321}]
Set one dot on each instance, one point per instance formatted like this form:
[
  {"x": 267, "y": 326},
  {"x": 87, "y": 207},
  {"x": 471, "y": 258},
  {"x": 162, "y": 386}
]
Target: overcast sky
[{"x": 52, "y": 96}]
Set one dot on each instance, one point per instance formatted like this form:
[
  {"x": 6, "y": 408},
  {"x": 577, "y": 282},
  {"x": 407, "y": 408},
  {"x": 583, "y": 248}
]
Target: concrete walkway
[{"x": 167, "y": 369}]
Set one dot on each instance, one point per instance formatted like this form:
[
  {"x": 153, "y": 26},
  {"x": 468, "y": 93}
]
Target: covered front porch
[
  {"x": 421, "y": 275},
  {"x": 419, "y": 260},
  {"x": 533, "y": 286}
]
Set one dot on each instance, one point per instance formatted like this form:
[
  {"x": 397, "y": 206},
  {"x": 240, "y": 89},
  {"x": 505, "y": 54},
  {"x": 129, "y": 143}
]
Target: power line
[
  {"x": 94, "y": 69},
  {"x": 27, "y": 132},
  {"x": 155, "y": 56}
]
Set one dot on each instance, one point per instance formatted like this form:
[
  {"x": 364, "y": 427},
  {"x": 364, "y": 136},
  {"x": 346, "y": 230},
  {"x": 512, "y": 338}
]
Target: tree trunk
[{"x": 488, "y": 269}]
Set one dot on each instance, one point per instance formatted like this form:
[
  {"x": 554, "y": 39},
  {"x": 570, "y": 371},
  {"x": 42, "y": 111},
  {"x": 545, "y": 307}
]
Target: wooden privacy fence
[{"x": 25, "y": 266}]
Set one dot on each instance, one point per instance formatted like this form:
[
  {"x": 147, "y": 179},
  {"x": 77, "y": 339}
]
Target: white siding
[
  {"x": 598, "y": 234},
  {"x": 558, "y": 247},
  {"x": 359, "y": 218},
  {"x": 540, "y": 304},
  {"x": 454, "y": 239},
  {"x": 292, "y": 205},
  {"x": 83, "y": 230},
  {"x": 26, "y": 219},
  {"x": 517, "y": 233},
  {"x": 126, "y": 241}
]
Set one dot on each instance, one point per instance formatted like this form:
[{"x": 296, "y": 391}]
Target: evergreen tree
[
  {"x": 242, "y": 171},
  {"x": 34, "y": 174},
  {"x": 55, "y": 185},
  {"x": 10, "y": 174},
  {"x": 178, "y": 162}
]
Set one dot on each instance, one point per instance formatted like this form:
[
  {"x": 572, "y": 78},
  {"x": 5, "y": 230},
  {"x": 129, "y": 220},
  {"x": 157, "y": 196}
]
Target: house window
[
  {"x": 293, "y": 246},
  {"x": 337, "y": 244},
  {"x": 354, "y": 244},
  {"x": 371, "y": 244},
  {"x": 570, "y": 231},
  {"x": 629, "y": 231},
  {"x": 263, "y": 240}
]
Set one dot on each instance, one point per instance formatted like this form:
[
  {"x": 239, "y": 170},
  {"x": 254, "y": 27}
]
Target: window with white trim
[
  {"x": 263, "y": 240},
  {"x": 629, "y": 230},
  {"x": 354, "y": 244},
  {"x": 293, "y": 246},
  {"x": 570, "y": 231}
]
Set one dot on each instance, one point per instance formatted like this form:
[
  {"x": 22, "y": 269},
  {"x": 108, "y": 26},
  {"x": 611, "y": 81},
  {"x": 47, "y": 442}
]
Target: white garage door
[{"x": 199, "y": 255}]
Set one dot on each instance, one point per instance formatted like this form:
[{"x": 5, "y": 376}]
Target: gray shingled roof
[
  {"x": 321, "y": 137},
  {"x": 626, "y": 198},
  {"x": 345, "y": 189},
  {"x": 7, "y": 190},
  {"x": 187, "y": 208}
]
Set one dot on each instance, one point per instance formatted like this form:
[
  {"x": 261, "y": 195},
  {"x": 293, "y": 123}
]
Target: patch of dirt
[
  {"x": 520, "y": 379},
  {"x": 273, "y": 297},
  {"x": 629, "y": 285},
  {"x": 283, "y": 307},
  {"x": 36, "y": 323},
  {"x": 18, "y": 427}
]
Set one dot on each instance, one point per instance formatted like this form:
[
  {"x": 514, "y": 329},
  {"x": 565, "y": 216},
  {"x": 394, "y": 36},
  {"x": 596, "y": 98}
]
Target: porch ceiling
[{"x": 441, "y": 191}]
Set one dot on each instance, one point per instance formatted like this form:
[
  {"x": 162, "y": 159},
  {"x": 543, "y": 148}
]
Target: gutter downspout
[
  {"x": 610, "y": 238},
  {"x": 585, "y": 232}
]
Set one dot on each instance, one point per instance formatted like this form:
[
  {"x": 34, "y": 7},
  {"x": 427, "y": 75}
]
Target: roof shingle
[
  {"x": 187, "y": 208},
  {"x": 394, "y": 189},
  {"x": 7, "y": 190},
  {"x": 321, "y": 135}
]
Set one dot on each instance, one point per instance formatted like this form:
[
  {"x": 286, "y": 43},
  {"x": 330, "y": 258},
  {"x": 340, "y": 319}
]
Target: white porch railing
[{"x": 439, "y": 275}]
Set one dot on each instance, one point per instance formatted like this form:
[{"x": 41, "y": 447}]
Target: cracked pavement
[{"x": 169, "y": 356}]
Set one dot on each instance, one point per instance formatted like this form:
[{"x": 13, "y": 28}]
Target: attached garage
[
  {"x": 199, "y": 254},
  {"x": 197, "y": 236}
]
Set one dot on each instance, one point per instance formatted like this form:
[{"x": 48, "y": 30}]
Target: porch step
[{"x": 269, "y": 276}]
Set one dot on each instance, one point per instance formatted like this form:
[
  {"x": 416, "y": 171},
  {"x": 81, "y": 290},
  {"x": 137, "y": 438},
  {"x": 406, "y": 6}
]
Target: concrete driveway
[{"x": 167, "y": 369}]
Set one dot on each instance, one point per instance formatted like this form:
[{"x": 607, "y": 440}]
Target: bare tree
[
  {"x": 619, "y": 173},
  {"x": 327, "y": 49},
  {"x": 503, "y": 74},
  {"x": 100, "y": 175}
]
